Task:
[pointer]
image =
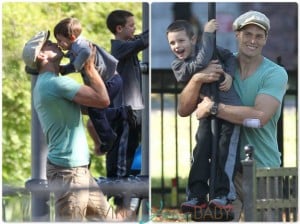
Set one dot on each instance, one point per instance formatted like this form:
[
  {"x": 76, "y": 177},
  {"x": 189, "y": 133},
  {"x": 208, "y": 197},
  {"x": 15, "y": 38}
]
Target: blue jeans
[{"x": 102, "y": 118}]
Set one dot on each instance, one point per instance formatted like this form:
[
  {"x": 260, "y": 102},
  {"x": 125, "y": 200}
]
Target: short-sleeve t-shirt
[
  {"x": 270, "y": 79},
  {"x": 61, "y": 120}
]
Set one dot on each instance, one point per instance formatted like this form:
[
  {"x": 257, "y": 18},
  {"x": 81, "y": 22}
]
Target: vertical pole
[
  {"x": 145, "y": 115},
  {"x": 214, "y": 124},
  {"x": 38, "y": 183},
  {"x": 249, "y": 185}
]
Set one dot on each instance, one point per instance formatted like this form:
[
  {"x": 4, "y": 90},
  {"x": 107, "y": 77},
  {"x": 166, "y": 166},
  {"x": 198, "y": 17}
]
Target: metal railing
[{"x": 133, "y": 187}]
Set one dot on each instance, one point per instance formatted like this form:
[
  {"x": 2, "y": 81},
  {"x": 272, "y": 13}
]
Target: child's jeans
[{"x": 102, "y": 118}]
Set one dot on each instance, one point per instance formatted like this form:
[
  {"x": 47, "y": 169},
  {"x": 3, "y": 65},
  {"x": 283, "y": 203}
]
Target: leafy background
[{"x": 20, "y": 21}]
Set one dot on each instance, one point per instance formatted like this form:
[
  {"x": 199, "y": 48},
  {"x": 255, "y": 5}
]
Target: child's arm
[
  {"x": 82, "y": 55},
  {"x": 184, "y": 70},
  {"x": 126, "y": 48},
  {"x": 228, "y": 59},
  {"x": 66, "y": 69},
  {"x": 82, "y": 52}
]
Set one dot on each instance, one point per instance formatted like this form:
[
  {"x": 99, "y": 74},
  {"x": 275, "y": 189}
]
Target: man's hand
[
  {"x": 211, "y": 73},
  {"x": 213, "y": 67},
  {"x": 226, "y": 84},
  {"x": 189, "y": 96},
  {"x": 203, "y": 108},
  {"x": 94, "y": 95},
  {"x": 89, "y": 64}
]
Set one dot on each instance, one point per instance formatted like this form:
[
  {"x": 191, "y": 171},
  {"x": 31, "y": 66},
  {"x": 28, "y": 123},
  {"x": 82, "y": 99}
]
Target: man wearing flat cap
[
  {"x": 57, "y": 101},
  {"x": 261, "y": 85}
]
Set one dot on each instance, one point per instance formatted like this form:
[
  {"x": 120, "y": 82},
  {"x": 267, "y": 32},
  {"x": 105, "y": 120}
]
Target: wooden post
[{"x": 249, "y": 185}]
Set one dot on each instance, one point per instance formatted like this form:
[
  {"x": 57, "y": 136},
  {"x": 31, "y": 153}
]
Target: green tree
[{"x": 18, "y": 26}]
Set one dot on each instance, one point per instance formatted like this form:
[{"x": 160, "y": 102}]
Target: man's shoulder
[{"x": 271, "y": 65}]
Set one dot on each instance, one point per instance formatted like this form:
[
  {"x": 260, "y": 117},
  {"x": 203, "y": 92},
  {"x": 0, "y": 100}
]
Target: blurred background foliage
[{"x": 20, "y": 21}]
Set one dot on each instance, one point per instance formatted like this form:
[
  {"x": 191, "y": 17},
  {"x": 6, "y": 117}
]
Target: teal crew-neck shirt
[
  {"x": 61, "y": 120},
  {"x": 270, "y": 79}
]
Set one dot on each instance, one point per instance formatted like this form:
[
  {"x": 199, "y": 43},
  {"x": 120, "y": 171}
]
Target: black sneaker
[
  {"x": 221, "y": 203},
  {"x": 193, "y": 204}
]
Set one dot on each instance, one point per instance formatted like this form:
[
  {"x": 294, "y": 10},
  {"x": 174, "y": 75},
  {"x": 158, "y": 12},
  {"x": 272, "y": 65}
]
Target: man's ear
[{"x": 41, "y": 56}]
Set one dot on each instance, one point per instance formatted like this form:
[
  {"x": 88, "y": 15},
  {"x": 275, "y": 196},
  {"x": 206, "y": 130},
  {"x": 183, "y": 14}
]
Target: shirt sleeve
[
  {"x": 275, "y": 83},
  {"x": 66, "y": 87},
  {"x": 228, "y": 59},
  {"x": 81, "y": 58},
  {"x": 123, "y": 49},
  {"x": 67, "y": 69}
]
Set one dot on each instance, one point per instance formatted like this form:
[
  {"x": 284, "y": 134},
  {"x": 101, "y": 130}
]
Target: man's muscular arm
[{"x": 189, "y": 97}]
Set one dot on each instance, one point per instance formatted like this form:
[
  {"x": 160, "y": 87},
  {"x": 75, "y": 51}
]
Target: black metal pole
[{"x": 214, "y": 123}]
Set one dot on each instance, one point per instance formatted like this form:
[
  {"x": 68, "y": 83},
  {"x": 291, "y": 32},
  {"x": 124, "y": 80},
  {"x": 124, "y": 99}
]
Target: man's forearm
[
  {"x": 97, "y": 84},
  {"x": 189, "y": 98},
  {"x": 238, "y": 114}
]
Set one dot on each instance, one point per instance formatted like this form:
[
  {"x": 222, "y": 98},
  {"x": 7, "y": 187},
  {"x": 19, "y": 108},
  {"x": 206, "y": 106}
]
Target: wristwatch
[{"x": 214, "y": 109}]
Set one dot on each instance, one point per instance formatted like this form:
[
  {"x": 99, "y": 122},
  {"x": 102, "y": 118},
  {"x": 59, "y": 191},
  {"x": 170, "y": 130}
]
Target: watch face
[{"x": 214, "y": 109}]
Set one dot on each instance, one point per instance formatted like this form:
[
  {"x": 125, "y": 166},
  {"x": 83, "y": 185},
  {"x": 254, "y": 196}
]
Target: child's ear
[{"x": 119, "y": 28}]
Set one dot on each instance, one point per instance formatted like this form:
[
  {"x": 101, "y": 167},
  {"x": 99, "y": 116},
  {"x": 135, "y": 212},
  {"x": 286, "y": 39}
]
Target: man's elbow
[
  {"x": 182, "y": 112},
  {"x": 104, "y": 103}
]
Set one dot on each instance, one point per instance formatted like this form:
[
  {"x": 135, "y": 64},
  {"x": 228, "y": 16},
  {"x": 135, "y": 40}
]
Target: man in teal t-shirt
[
  {"x": 57, "y": 101},
  {"x": 61, "y": 120},
  {"x": 269, "y": 79}
]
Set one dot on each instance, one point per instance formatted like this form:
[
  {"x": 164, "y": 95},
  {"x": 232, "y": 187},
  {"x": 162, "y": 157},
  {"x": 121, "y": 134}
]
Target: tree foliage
[{"x": 20, "y": 21}]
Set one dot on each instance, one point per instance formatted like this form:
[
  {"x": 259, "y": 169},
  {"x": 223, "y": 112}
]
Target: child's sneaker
[
  {"x": 193, "y": 204},
  {"x": 221, "y": 202}
]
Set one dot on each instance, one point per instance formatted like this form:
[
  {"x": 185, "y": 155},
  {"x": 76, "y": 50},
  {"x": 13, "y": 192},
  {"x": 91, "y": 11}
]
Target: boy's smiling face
[
  {"x": 181, "y": 45},
  {"x": 63, "y": 42}
]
